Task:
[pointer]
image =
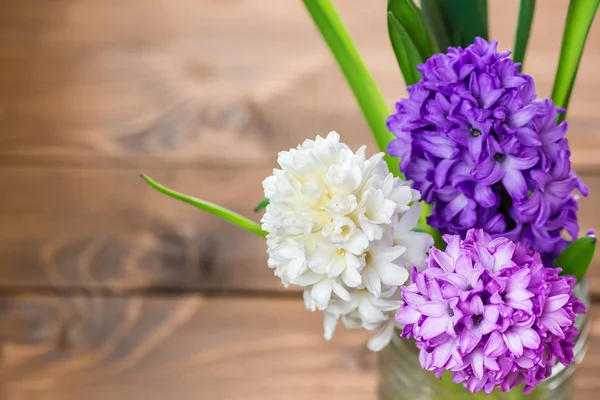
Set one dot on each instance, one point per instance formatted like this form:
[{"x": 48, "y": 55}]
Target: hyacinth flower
[
  {"x": 488, "y": 154},
  {"x": 490, "y": 312}
]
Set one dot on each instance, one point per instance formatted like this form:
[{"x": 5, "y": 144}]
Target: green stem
[
  {"x": 370, "y": 100},
  {"x": 212, "y": 208},
  {"x": 526, "y": 11},
  {"x": 579, "y": 20}
]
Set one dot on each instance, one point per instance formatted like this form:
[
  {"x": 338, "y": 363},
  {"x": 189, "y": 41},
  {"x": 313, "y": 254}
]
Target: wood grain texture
[
  {"x": 107, "y": 230},
  {"x": 170, "y": 83},
  {"x": 190, "y": 348},
  {"x": 184, "y": 348},
  {"x": 201, "y": 97}
]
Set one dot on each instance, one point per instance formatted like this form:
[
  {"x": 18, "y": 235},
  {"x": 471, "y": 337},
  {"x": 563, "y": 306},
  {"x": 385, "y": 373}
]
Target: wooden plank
[
  {"x": 106, "y": 229},
  {"x": 81, "y": 83},
  {"x": 182, "y": 348},
  {"x": 190, "y": 348}
]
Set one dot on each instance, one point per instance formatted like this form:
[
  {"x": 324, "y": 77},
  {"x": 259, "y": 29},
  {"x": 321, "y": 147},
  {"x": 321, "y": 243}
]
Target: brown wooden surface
[
  {"x": 191, "y": 348},
  {"x": 200, "y": 95}
]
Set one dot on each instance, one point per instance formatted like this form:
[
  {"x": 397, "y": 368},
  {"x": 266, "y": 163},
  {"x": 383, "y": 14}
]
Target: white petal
[
  {"x": 321, "y": 293},
  {"x": 344, "y": 307},
  {"x": 306, "y": 279},
  {"x": 352, "y": 321},
  {"x": 309, "y": 303},
  {"x": 417, "y": 245},
  {"x": 351, "y": 277},
  {"x": 402, "y": 196},
  {"x": 382, "y": 336},
  {"x": 340, "y": 291},
  {"x": 372, "y": 281},
  {"x": 357, "y": 244},
  {"x": 392, "y": 274},
  {"x": 408, "y": 220},
  {"x": 369, "y": 313},
  {"x": 336, "y": 266},
  {"x": 329, "y": 323}
]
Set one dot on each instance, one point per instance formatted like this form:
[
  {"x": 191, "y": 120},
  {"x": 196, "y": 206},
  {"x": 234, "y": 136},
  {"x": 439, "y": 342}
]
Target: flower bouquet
[{"x": 456, "y": 245}]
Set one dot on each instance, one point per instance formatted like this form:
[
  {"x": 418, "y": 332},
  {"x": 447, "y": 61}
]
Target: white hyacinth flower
[{"x": 340, "y": 226}]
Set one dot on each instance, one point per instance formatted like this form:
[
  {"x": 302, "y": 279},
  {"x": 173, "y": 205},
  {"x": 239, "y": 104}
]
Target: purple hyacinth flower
[
  {"x": 489, "y": 311},
  {"x": 485, "y": 152}
]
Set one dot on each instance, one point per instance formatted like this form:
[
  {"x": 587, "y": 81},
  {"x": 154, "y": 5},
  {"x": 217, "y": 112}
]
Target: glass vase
[{"x": 402, "y": 378}]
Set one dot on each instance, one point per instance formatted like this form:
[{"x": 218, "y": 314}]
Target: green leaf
[
  {"x": 369, "y": 98},
  {"x": 262, "y": 205},
  {"x": 470, "y": 20},
  {"x": 434, "y": 18},
  {"x": 214, "y": 209},
  {"x": 406, "y": 53},
  {"x": 526, "y": 11},
  {"x": 462, "y": 20},
  {"x": 577, "y": 257},
  {"x": 579, "y": 20},
  {"x": 409, "y": 16}
]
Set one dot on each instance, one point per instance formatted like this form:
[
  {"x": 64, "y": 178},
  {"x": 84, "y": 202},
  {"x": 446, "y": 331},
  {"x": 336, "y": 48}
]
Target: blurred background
[{"x": 109, "y": 290}]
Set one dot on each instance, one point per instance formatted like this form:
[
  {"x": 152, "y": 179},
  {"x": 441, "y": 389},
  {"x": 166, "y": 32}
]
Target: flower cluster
[
  {"x": 488, "y": 310},
  {"x": 340, "y": 226},
  {"x": 485, "y": 152}
]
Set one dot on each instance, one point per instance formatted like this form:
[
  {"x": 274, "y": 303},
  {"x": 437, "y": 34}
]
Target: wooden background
[{"x": 112, "y": 291}]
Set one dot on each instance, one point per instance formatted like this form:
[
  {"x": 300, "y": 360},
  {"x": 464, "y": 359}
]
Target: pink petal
[
  {"x": 432, "y": 309},
  {"x": 469, "y": 339},
  {"x": 477, "y": 363},
  {"x": 408, "y": 315},
  {"x": 433, "y": 327},
  {"x": 555, "y": 302},
  {"x": 530, "y": 338},
  {"x": 513, "y": 341}
]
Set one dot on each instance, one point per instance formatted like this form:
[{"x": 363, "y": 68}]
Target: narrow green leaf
[
  {"x": 434, "y": 18},
  {"x": 463, "y": 20},
  {"x": 577, "y": 257},
  {"x": 579, "y": 20},
  {"x": 406, "y": 53},
  {"x": 262, "y": 205},
  {"x": 359, "y": 79},
  {"x": 214, "y": 209},
  {"x": 526, "y": 11},
  {"x": 483, "y": 11},
  {"x": 471, "y": 19},
  {"x": 409, "y": 16}
]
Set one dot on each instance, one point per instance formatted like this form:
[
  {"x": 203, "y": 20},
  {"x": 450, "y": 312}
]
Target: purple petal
[
  {"x": 433, "y": 327},
  {"x": 495, "y": 346},
  {"x": 408, "y": 315},
  {"x": 469, "y": 339},
  {"x": 530, "y": 338},
  {"x": 432, "y": 309},
  {"x": 484, "y": 196},
  {"x": 476, "y": 306},
  {"x": 515, "y": 185},
  {"x": 555, "y": 302},
  {"x": 522, "y": 117},
  {"x": 477, "y": 363},
  {"x": 513, "y": 341}
]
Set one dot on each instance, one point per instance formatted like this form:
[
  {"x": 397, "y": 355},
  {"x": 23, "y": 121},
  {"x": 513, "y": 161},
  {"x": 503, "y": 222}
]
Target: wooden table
[{"x": 111, "y": 291}]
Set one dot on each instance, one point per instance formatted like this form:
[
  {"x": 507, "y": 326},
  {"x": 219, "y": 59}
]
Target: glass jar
[{"x": 402, "y": 378}]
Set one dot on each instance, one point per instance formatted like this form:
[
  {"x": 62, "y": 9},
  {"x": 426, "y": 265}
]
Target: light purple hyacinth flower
[
  {"x": 480, "y": 147},
  {"x": 489, "y": 311}
]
